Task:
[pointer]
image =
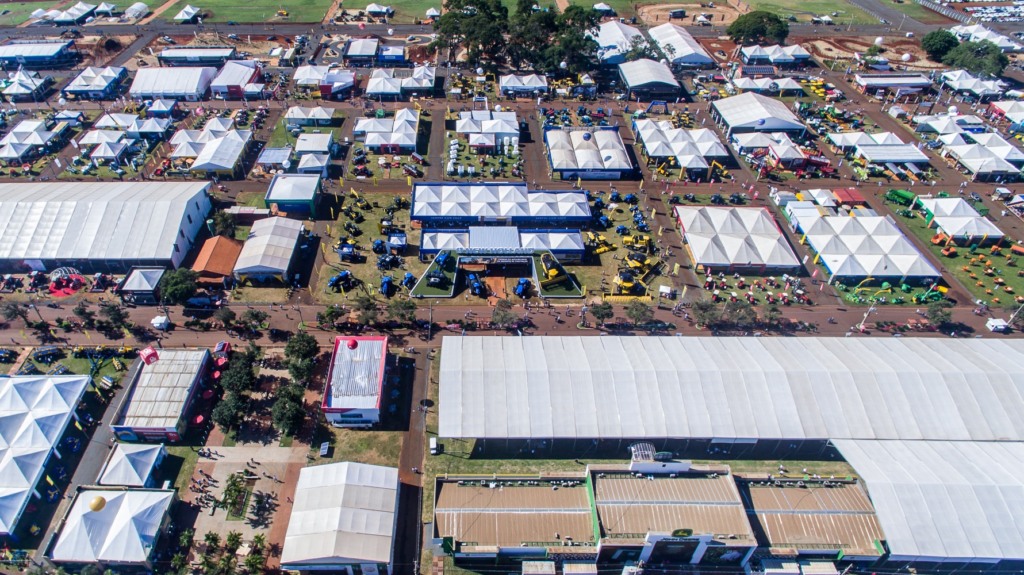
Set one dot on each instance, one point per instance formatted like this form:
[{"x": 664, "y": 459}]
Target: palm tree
[
  {"x": 185, "y": 538},
  {"x": 232, "y": 542},
  {"x": 254, "y": 563},
  {"x": 259, "y": 543},
  {"x": 212, "y": 540}
]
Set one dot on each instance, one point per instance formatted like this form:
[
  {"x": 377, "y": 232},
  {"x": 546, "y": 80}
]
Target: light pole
[{"x": 871, "y": 310}]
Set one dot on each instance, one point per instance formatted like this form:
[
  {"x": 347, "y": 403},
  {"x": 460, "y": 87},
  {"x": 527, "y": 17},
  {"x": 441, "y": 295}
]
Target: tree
[
  {"x": 178, "y": 286},
  {"x": 403, "y": 310},
  {"x": 329, "y": 316},
  {"x": 640, "y": 48},
  {"x": 223, "y": 224},
  {"x": 873, "y": 50},
  {"x": 301, "y": 370},
  {"x": 772, "y": 315},
  {"x": 602, "y": 312},
  {"x": 938, "y": 43},
  {"x": 86, "y": 315},
  {"x": 480, "y": 26},
  {"x": 758, "y": 27},
  {"x": 288, "y": 411},
  {"x": 939, "y": 313},
  {"x": 228, "y": 412},
  {"x": 13, "y": 310},
  {"x": 740, "y": 313},
  {"x": 238, "y": 378},
  {"x": 978, "y": 58},
  {"x": 638, "y": 312},
  {"x": 254, "y": 563},
  {"x": 302, "y": 346},
  {"x": 225, "y": 315},
  {"x": 254, "y": 318},
  {"x": 258, "y": 544},
  {"x": 232, "y": 542},
  {"x": 114, "y": 313},
  {"x": 706, "y": 312},
  {"x": 503, "y": 316},
  {"x": 179, "y": 561},
  {"x": 366, "y": 310},
  {"x": 212, "y": 540},
  {"x": 185, "y": 538}
]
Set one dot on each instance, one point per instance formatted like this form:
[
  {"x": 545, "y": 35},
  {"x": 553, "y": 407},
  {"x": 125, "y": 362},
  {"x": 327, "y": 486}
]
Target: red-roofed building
[
  {"x": 355, "y": 381},
  {"x": 849, "y": 197}
]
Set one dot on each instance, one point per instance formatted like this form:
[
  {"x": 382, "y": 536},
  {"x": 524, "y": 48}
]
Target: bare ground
[{"x": 720, "y": 15}]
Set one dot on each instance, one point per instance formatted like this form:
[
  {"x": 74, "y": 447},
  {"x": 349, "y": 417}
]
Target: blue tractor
[
  {"x": 631, "y": 199},
  {"x": 379, "y": 247},
  {"x": 523, "y": 288},
  {"x": 441, "y": 259},
  {"x": 476, "y": 287},
  {"x": 344, "y": 280},
  {"x": 408, "y": 280},
  {"x": 621, "y": 230},
  {"x": 437, "y": 279},
  {"x": 614, "y": 197},
  {"x": 347, "y": 253},
  {"x": 387, "y": 286}
]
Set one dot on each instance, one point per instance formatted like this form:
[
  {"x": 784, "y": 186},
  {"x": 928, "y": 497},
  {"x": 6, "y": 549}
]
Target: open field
[
  {"x": 920, "y": 13},
  {"x": 406, "y": 11},
  {"x": 18, "y": 12},
  {"x": 804, "y": 10},
  {"x": 256, "y": 10}
]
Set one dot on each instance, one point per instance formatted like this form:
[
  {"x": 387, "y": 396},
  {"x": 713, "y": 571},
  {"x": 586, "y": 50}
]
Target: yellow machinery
[
  {"x": 627, "y": 283},
  {"x": 638, "y": 242},
  {"x": 638, "y": 263},
  {"x": 599, "y": 244},
  {"x": 553, "y": 272},
  {"x": 282, "y": 13},
  {"x": 720, "y": 170}
]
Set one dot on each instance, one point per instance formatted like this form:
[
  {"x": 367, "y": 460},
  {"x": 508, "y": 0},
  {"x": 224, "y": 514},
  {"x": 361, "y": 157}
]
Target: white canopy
[
  {"x": 863, "y": 246},
  {"x": 849, "y": 140},
  {"x": 106, "y": 8},
  {"x": 524, "y": 83},
  {"x": 343, "y": 513},
  {"x": 691, "y": 148},
  {"x": 724, "y": 237},
  {"x": 93, "y": 79},
  {"x": 109, "y": 151},
  {"x": 112, "y": 526},
  {"x": 754, "y": 112},
  {"x": 378, "y": 9},
  {"x": 172, "y": 82},
  {"x": 587, "y": 150},
  {"x": 223, "y": 153},
  {"x": 433, "y": 12},
  {"x": 685, "y": 50},
  {"x": 500, "y": 199},
  {"x": 614, "y": 39},
  {"x": 131, "y": 464},
  {"x": 771, "y": 85},
  {"x": 269, "y": 248},
  {"x": 959, "y": 219},
  {"x": 302, "y": 114},
  {"x": 646, "y": 72},
  {"x": 26, "y": 83},
  {"x": 187, "y": 13}
]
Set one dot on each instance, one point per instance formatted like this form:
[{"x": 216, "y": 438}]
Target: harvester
[{"x": 552, "y": 272}]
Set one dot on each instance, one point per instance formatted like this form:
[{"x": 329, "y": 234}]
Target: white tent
[
  {"x": 692, "y": 149},
  {"x": 112, "y": 526},
  {"x": 107, "y": 8},
  {"x": 379, "y": 9},
  {"x": 344, "y": 513},
  {"x": 523, "y": 83},
  {"x": 25, "y": 83},
  {"x": 850, "y": 140},
  {"x": 685, "y": 50},
  {"x": 727, "y": 238},
  {"x": 116, "y": 121},
  {"x": 174, "y": 83},
  {"x": 599, "y": 150},
  {"x": 269, "y": 249},
  {"x": 305, "y": 115},
  {"x": 382, "y": 82},
  {"x": 959, "y": 219},
  {"x": 131, "y": 464},
  {"x": 614, "y": 39},
  {"x": 94, "y": 80},
  {"x": 771, "y": 85},
  {"x": 506, "y": 199},
  {"x": 433, "y": 12},
  {"x": 756, "y": 113},
  {"x": 222, "y": 154},
  {"x": 187, "y": 13},
  {"x": 136, "y": 10},
  {"x": 109, "y": 151}
]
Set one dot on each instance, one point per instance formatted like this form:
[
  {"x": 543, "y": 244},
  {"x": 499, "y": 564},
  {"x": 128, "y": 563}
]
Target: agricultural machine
[
  {"x": 476, "y": 287},
  {"x": 408, "y": 280},
  {"x": 522, "y": 288},
  {"x": 552, "y": 272},
  {"x": 598, "y": 243},
  {"x": 437, "y": 279},
  {"x": 387, "y": 286},
  {"x": 637, "y": 243},
  {"x": 343, "y": 281}
]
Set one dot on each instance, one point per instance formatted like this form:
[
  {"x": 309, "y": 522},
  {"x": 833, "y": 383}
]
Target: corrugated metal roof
[
  {"x": 945, "y": 499},
  {"x": 162, "y": 389},
  {"x": 785, "y": 388},
  {"x": 356, "y": 374}
]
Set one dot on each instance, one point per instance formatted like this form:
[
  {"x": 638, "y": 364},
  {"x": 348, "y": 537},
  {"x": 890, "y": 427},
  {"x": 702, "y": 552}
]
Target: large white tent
[
  {"x": 726, "y": 238},
  {"x": 692, "y": 149},
  {"x": 187, "y": 13},
  {"x": 587, "y": 150},
  {"x": 113, "y": 526},
  {"x": 863, "y": 247},
  {"x": 344, "y": 513},
  {"x": 685, "y": 50},
  {"x": 614, "y": 39},
  {"x": 431, "y": 201},
  {"x": 944, "y": 500},
  {"x": 849, "y": 140},
  {"x": 100, "y": 224},
  {"x": 986, "y": 154},
  {"x": 131, "y": 464},
  {"x": 176, "y": 83},
  {"x": 523, "y": 83},
  {"x": 396, "y": 133},
  {"x": 964, "y": 81},
  {"x": 309, "y": 116},
  {"x": 959, "y": 219},
  {"x": 752, "y": 112},
  {"x": 499, "y": 125},
  {"x": 737, "y": 389},
  {"x": 269, "y": 249},
  {"x": 161, "y": 395},
  {"x": 34, "y": 412},
  {"x": 977, "y": 33},
  {"x": 768, "y": 85}
]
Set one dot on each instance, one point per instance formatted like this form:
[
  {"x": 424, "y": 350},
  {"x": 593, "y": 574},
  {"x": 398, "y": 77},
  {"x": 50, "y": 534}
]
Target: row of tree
[{"x": 979, "y": 58}]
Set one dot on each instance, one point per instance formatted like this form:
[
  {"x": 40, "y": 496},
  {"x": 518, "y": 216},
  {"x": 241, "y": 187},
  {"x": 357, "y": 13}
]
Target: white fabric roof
[
  {"x": 724, "y": 236},
  {"x": 94, "y": 79},
  {"x": 691, "y": 148},
  {"x": 234, "y": 73},
  {"x": 777, "y": 54},
  {"x": 986, "y": 153},
  {"x": 343, "y": 513},
  {"x": 900, "y": 153},
  {"x": 759, "y": 112},
  {"x": 853, "y": 139},
  {"x": 314, "y": 143},
  {"x": 555, "y": 240},
  {"x": 108, "y": 151},
  {"x": 863, "y": 246},
  {"x": 694, "y": 387},
  {"x": 302, "y": 113},
  {"x": 643, "y": 72},
  {"x": 269, "y": 247},
  {"x": 767, "y": 84},
  {"x": 34, "y": 412},
  {"x": 123, "y": 531},
  {"x": 32, "y": 49},
  {"x": 130, "y": 464},
  {"x": 187, "y": 13},
  {"x": 363, "y": 47},
  {"x": 29, "y": 132},
  {"x": 356, "y": 375},
  {"x": 94, "y": 220},
  {"x": 162, "y": 389},
  {"x": 24, "y": 83},
  {"x": 964, "y": 81},
  {"x": 116, "y": 121},
  {"x": 72, "y": 14},
  {"x": 615, "y": 38},
  {"x": 434, "y": 240},
  {"x": 959, "y": 219},
  {"x": 686, "y": 50},
  {"x": 172, "y": 82},
  {"x": 223, "y": 153},
  {"x": 528, "y": 82},
  {"x": 977, "y": 33},
  {"x": 143, "y": 279},
  {"x": 938, "y": 500},
  {"x": 293, "y": 187},
  {"x": 495, "y": 200},
  {"x": 587, "y": 150}
]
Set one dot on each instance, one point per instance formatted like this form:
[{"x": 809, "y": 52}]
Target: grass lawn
[
  {"x": 181, "y": 460},
  {"x": 920, "y": 13},
  {"x": 804, "y": 10},
  {"x": 361, "y": 445},
  {"x": 280, "y": 137},
  {"x": 449, "y": 270},
  {"x": 982, "y": 285},
  {"x": 18, "y": 12},
  {"x": 406, "y": 11},
  {"x": 82, "y": 366},
  {"x": 256, "y": 10},
  {"x": 250, "y": 294}
]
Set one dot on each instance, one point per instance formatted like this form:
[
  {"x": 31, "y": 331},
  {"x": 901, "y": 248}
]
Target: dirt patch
[
  {"x": 843, "y": 48},
  {"x": 655, "y": 14},
  {"x": 721, "y": 49},
  {"x": 258, "y": 47},
  {"x": 94, "y": 49}
]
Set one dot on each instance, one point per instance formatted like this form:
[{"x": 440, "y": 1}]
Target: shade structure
[
  {"x": 756, "y": 113},
  {"x": 614, "y": 39},
  {"x": 112, "y": 526},
  {"x": 600, "y": 150},
  {"x": 692, "y": 149},
  {"x": 469, "y": 202},
  {"x": 131, "y": 464},
  {"x": 735, "y": 238},
  {"x": 175, "y": 83},
  {"x": 269, "y": 249},
  {"x": 187, "y": 13},
  {"x": 784, "y": 389},
  {"x": 343, "y": 513},
  {"x": 685, "y": 50},
  {"x": 959, "y": 219}
]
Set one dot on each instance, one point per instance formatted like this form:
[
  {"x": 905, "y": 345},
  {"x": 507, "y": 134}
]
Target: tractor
[
  {"x": 436, "y": 279},
  {"x": 476, "y": 287},
  {"x": 599, "y": 244},
  {"x": 408, "y": 280},
  {"x": 522, "y": 288},
  {"x": 343, "y": 281},
  {"x": 638, "y": 243},
  {"x": 387, "y": 286}
]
